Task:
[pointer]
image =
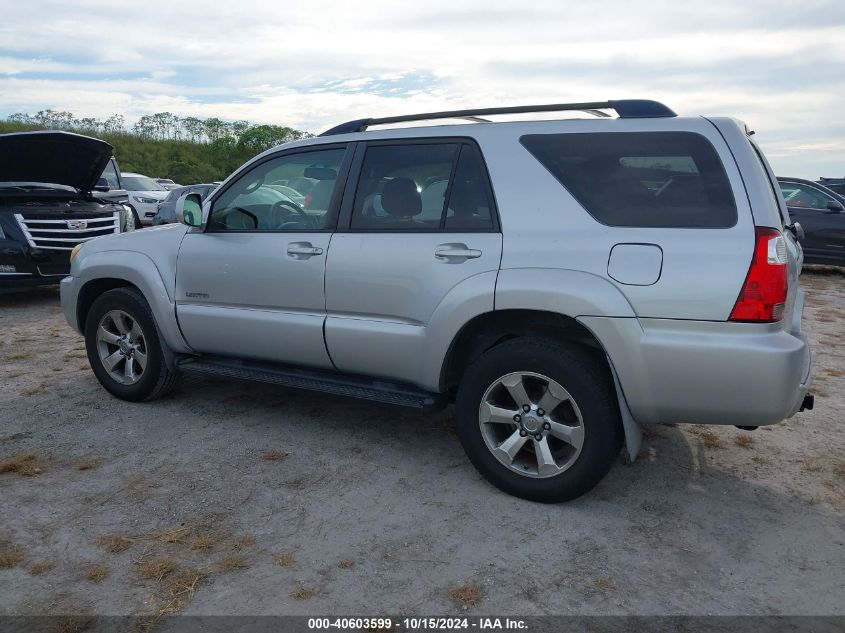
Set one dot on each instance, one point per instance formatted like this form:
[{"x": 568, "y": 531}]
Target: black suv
[
  {"x": 836, "y": 185},
  {"x": 49, "y": 203},
  {"x": 821, "y": 213}
]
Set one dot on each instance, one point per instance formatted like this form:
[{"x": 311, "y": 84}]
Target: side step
[{"x": 331, "y": 382}]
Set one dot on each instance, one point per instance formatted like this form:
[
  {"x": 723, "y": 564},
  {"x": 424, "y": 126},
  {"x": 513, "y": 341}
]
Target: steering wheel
[{"x": 295, "y": 208}]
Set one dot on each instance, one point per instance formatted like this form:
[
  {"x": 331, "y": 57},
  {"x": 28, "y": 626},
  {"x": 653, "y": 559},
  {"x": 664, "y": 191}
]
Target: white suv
[{"x": 561, "y": 282}]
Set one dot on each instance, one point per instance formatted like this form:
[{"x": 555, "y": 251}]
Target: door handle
[
  {"x": 303, "y": 250},
  {"x": 451, "y": 252}
]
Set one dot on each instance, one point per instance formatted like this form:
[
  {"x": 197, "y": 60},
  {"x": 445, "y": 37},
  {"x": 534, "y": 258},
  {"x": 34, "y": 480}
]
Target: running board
[{"x": 314, "y": 380}]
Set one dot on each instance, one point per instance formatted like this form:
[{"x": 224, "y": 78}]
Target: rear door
[{"x": 418, "y": 220}]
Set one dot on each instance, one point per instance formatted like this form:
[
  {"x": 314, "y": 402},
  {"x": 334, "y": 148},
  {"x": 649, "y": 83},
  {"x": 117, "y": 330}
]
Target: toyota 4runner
[{"x": 561, "y": 282}]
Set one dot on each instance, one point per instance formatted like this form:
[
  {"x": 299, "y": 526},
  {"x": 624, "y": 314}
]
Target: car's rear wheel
[
  {"x": 124, "y": 348},
  {"x": 539, "y": 419}
]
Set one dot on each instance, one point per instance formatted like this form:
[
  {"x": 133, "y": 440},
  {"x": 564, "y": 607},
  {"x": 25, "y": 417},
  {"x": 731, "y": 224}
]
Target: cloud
[{"x": 778, "y": 65}]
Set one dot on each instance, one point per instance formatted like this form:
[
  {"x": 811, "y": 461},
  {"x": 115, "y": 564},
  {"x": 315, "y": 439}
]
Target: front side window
[
  {"x": 288, "y": 193},
  {"x": 422, "y": 187},
  {"x": 640, "y": 179},
  {"x": 802, "y": 196}
]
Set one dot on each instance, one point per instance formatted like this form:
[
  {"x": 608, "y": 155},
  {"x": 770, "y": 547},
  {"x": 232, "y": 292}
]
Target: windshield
[{"x": 141, "y": 183}]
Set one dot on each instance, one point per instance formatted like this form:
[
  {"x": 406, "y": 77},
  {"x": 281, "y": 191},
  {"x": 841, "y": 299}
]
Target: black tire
[
  {"x": 587, "y": 380},
  {"x": 157, "y": 379}
]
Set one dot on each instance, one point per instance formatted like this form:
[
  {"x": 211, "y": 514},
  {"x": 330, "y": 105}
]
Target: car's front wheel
[
  {"x": 539, "y": 419},
  {"x": 123, "y": 347}
]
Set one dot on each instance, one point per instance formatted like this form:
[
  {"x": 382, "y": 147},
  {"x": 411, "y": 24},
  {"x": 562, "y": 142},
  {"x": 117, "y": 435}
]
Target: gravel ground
[{"x": 234, "y": 498}]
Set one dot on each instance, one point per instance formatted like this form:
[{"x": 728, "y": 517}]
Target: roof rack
[{"x": 625, "y": 108}]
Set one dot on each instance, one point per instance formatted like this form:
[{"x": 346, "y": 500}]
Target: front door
[
  {"x": 420, "y": 224},
  {"x": 252, "y": 284}
]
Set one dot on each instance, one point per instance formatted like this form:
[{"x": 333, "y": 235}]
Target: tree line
[{"x": 164, "y": 145}]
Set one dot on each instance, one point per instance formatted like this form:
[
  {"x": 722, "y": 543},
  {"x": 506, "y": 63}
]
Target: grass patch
[
  {"x": 74, "y": 624},
  {"x": 97, "y": 573},
  {"x": 233, "y": 562},
  {"x": 285, "y": 559},
  {"x": 15, "y": 374},
  {"x": 302, "y": 593},
  {"x": 156, "y": 569},
  {"x": 88, "y": 464},
  {"x": 760, "y": 460},
  {"x": 114, "y": 543},
  {"x": 10, "y": 557},
  {"x": 247, "y": 540},
  {"x": 20, "y": 356},
  {"x": 812, "y": 466},
  {"x": 604, "y": 584},
  {"x": 273, "y": 456},
  {"x": 31, "y": 391},
  {"x": 41, "y": 568},
  {"x": 346, "y": 563},
  {"x": 180, "y": 591},
  {"x": 24, "y": 464},
  {"x": 176, "y": 535},
  {"x": 708, "y": 437},
  {"x": 203, "y": 542},
  {"x": 745, "y": 441},
  {"x": 836, "y": 373},
  {"x": 466, "y": 595},
  {"x": 839, "y": 469}
]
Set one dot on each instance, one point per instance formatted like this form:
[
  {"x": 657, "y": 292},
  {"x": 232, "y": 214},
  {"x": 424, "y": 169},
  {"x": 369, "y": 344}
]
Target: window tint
[
  {"x": 288, "y": 193},
  {"x": 469, "y": 204},
  {"x": 803, "y": 196},
  {"x": 405, "y": 188},
  {"x": 644, "y": 179}
]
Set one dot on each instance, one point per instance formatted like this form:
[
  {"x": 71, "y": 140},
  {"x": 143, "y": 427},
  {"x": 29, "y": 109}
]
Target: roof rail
[{"x": 625, "y": 108}]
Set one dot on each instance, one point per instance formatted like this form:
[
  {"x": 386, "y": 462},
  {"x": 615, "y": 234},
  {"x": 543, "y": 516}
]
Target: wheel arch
[{"x": 101, "y": 272}]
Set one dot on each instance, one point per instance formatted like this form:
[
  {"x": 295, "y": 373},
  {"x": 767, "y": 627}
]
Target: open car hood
[{"x": 59, "y": 158}]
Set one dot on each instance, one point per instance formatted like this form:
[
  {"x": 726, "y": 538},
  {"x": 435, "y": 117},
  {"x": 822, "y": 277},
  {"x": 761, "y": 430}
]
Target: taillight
[{"x": 763, "y": 295}]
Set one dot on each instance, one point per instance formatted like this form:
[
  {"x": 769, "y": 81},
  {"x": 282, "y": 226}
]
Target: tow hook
[{"x": 807, "y": 402}]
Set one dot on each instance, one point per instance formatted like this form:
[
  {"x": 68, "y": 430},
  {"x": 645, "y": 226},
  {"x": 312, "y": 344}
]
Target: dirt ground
[{"x": 234, "y": 498}]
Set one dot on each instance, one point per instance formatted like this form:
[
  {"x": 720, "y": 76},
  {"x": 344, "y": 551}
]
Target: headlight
[
  {"x": 145, "y": 200},
  {"x": 127, "y": 218},
  {"x": 75, "y": 251}
]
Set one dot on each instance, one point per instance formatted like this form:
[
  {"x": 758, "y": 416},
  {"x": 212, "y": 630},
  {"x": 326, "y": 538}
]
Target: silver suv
[{"x": 562, "y": 282}]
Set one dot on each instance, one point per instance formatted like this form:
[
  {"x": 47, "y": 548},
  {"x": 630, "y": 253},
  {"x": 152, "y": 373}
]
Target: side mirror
[
  {"x": 102, "y": 185},
  {"x": 834, "y": 207},
  {"x": 189, "y": 210}
]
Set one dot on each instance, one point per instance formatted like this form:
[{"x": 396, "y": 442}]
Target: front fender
[{"x": 137, "y": 269}]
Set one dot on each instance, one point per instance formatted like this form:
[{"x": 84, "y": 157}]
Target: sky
[{"x": 779, "y": 66}]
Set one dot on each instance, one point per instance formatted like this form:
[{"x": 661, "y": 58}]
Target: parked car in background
[
  {"x": 49, "y": 205},
  {"x": 144, "y": 195},
  {"x": 821, "y": 213},
  {"x": 167, "y": 183},
  {"x": 166, "y": 213},
  {"x": 834, "y": 184},
  {"x": 568, "y": 281},
  {"x": 110, "y": 186}
]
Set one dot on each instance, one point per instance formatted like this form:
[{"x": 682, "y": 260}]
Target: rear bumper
[{"x": 706, "y": 372}]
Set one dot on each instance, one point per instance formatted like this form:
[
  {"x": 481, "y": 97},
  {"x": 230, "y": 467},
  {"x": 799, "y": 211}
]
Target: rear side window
[
  {"x": 422, "y": 187},
  {"x": 641, "y": 179}
]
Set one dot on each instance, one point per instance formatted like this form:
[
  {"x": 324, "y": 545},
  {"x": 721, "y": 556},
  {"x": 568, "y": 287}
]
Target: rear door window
[{"x": 641, "y": 179}]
